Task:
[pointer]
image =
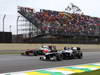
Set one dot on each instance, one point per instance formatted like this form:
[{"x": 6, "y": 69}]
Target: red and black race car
[{"x": 41, "y": 51}]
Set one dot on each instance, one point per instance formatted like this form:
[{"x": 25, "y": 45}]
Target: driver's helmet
[
  {"x": 44, "y": 46},
  {"x": 74, "y": 48},
  {"x": 65, "y": 48}
]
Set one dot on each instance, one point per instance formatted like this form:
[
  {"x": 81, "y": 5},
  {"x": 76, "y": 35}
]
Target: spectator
[{"x": 62, "y": 22}]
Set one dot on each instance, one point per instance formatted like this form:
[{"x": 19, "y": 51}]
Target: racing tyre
[
  {"x": 27, "y": 53},
  {"x": 80, "y": 56},
  {"x": 59, "y": 57},
  {"x": 42, "y": 58},
  {"x": 22, "y": 53},
  {"x": 35, "y": 53}
]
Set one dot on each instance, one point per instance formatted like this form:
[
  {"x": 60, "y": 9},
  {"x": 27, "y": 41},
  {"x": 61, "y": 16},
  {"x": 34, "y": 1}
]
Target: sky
[{"x": 9, "y": 7}]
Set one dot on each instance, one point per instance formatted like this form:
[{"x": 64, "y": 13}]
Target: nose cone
[{"x": 45, "y": 51}]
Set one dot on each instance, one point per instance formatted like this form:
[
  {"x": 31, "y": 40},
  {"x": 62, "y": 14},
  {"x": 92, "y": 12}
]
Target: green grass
[
  {"x": 8, "y": 53},
  {"x": 97, "y": 72}
]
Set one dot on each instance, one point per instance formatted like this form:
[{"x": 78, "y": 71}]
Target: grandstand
[{"x": 60, "y": 27}]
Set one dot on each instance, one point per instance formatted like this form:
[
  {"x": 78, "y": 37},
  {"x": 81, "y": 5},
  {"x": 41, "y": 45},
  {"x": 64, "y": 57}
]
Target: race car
[
  {"x": 74, "y": 52},
  {"x": 41, "y": 51},
  {"x": 54, "y": 56},
  {"x": 69, "y": 53}
]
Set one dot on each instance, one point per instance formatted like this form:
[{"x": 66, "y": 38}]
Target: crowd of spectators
[{"x": 63, "y": 22}]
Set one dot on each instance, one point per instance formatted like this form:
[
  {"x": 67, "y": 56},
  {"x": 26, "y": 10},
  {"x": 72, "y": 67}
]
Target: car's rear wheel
[
  {"x": 80, "y": 56},
  {"x": 35, "y": 53},
  {"x": 59, "y": 57},
  {"x": 27, "y": 53}
]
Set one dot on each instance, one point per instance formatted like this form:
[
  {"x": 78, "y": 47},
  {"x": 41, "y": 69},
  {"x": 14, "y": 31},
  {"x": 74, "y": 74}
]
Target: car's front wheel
[{"x": 42, "y": 58}]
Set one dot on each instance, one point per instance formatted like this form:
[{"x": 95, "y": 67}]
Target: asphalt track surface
[{"x": 15, "y": 63}]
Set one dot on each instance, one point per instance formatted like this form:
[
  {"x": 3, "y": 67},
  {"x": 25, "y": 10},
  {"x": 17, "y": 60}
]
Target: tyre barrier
[{"x": 66, "y": 70}]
